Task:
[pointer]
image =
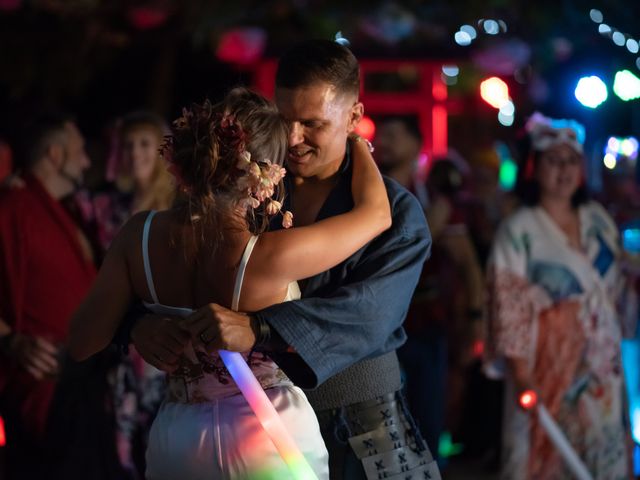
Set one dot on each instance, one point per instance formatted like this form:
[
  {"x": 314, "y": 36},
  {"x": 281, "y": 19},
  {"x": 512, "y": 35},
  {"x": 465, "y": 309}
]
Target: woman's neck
[
  {"x": 142, "y": 187},
  {"x": 559, "y": 208}
]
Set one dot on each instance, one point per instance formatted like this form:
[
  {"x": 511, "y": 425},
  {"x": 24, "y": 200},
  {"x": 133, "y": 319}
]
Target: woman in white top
[{"x": 228, "y": 158}]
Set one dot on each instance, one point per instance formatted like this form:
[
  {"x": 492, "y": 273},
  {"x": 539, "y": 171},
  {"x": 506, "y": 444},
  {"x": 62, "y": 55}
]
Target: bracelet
[
  {"x": 262, "y": 331},
  {"x": 358, "y": 138}
]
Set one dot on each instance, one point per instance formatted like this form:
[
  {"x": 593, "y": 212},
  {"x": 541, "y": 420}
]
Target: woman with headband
[{"x": 558, "y": 306}]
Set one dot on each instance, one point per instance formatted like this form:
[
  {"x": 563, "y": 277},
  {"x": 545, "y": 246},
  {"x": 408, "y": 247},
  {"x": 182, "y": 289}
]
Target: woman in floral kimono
[{"x": 558, "y": 304}]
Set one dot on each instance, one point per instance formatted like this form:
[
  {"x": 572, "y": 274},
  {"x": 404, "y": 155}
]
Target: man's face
[
  {"x": 320, "y": 120},
  {"x": 394, "y": 145},
  {"x": 76, "y": 160}
]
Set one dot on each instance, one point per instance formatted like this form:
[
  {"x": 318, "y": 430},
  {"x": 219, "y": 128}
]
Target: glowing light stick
[
  {"x": 529, "y": 400},
  {"x": 267, "y": 415},
  {"x": 563, "y": 446}
]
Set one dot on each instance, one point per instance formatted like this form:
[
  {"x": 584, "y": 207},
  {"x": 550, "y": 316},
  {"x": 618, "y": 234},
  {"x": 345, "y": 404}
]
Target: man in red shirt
[{"x": 46, "y": 268}]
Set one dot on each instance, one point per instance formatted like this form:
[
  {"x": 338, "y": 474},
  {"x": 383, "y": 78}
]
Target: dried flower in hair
[
  {"x": 287, "y": 219},
  {"x": 248, "y": 202},
  {"x": 183, "y": 122},
  {"x": 273, "y": 207},
  {"x": 230, "y": 134},
  {"x": 244, "y": 160}
]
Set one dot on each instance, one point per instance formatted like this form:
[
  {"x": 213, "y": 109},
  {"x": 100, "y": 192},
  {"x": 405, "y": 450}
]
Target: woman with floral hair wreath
[{"x": 228, "y": 161}]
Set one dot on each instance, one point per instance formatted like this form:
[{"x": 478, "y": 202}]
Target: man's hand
[
  {"x": 218, "y": 328},
  {"x": 36, "y": 355},
  {"x": 13, "y": 182},
  {"x": 160, "y": 341}
]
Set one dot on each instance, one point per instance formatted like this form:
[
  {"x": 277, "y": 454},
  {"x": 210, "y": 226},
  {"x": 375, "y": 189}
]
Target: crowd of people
[{"x": 366, "y": 305}]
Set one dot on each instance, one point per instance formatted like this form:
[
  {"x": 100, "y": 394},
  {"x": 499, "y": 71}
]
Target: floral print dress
[{"x": 563, "y": 311}]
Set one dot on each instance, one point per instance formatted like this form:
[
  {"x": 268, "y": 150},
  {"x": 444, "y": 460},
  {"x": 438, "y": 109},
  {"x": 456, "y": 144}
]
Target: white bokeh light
[
  {"x": 609, "y": 161},
  {"x": 469, "y": 30},
  {"x": 450, "y": 70},
  {"x": 596, "y": 15},
  {"x": 508, "y": 109},
  {"x": 491, "y": 27},
  {"x": 604, "y": 29},
  {"x": 506, "y": 120},
  {"x": 591, "y": 91},
  {"x": 618, "y": 38},
  {"x": 462, "y": 38}
]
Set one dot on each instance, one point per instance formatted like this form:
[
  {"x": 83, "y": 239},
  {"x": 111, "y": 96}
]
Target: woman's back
[{"x": 182, "y": 282}]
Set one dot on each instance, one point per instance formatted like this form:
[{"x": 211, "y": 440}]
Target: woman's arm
[
  {"x": 95, "y": 322},
  {"x": 306, "y": 251}
]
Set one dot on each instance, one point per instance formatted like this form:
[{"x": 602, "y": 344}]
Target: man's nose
[{"x": 296, "y": 134}]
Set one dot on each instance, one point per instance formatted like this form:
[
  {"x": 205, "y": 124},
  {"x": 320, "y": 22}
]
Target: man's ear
[
  {"x": 55, "y": 154},
  {"x": 355, "y": 115}
]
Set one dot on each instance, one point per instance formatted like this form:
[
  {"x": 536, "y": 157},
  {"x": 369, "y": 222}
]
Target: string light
[
  {"x": 462, "y": 38},
  {"x": 596, "y": 15},
  {"x": 469, "y": 30},
  {"x": 467, "y": 33}
]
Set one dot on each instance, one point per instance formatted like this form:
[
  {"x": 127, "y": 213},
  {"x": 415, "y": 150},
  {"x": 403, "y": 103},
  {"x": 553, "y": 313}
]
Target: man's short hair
[
  {"x": 44, "y": 131},
  {"x": 315, "y": 61}
]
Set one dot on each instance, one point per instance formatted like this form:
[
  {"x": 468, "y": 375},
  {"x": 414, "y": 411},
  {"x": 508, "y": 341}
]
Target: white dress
[{"x": 205, "y": 428}]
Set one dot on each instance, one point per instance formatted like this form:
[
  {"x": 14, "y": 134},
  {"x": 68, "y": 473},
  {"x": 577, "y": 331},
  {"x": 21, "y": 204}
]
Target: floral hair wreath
[{"x": 258, "y": 180}]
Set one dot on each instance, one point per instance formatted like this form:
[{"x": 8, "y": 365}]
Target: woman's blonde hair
[{"x": 162, "y": 189}]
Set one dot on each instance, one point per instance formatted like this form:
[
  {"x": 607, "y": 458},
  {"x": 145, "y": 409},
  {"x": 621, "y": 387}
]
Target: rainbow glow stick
[{"x": 267, "y": 415}]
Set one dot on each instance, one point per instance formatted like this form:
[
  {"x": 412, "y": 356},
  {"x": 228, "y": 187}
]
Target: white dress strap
[
  {"x": 241, "y": 269},
  {"x": 145, "y": 256}
]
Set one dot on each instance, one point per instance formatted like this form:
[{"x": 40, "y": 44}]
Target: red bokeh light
[
  {"x": 478, "y": 348},
  {"x": 242, "y": 46},
  {"x": 528, "y": 399},
  {"x": 366, "y": 128},
  {"x": 146, "y": 18},
  {"x": 10, "y": 5},
  {"x": 3, "y": 437}
]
